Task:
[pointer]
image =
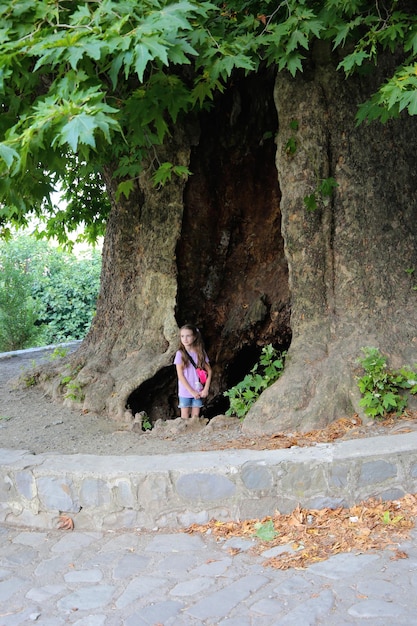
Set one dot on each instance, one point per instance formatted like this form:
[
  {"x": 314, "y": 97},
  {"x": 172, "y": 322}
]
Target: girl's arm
[
  {"x": 205, "y": 391},
  {"x": 184, "y": 381}
]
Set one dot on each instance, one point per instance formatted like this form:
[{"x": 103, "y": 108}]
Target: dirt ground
[{"x": 29, "y": 420}]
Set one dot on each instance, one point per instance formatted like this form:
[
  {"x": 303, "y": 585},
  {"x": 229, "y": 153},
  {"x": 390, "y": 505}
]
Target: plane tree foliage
[{"x": 92, "y": 87}]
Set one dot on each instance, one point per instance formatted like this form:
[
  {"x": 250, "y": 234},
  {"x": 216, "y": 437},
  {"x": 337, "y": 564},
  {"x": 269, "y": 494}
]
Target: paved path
[
  {"x": 104, "y": 577},
  {"x": 109, "y": 578}
]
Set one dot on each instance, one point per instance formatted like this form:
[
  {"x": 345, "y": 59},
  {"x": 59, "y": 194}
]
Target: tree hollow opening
[
  {"x": 231, "y": 265},
  {"x": 158, "y": 396}
]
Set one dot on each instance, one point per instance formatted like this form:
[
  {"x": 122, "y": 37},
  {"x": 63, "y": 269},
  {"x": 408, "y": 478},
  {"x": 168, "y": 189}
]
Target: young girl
[{"x": 190, "y": 391}]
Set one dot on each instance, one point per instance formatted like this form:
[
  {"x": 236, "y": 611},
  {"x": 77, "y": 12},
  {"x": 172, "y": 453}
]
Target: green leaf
[
  {"x": 75, "y": 53},
  {"x": 159, "y": 49},
  {"x": 142, "y": 56},
  {"x": 182, "y": 171},
  {"x": 80, "y": 129},
  {"x": 390, "y": 401},
  {"x": 243, "y": 395},
  {"x": 409, "y": 101},
  {"x": 266, "y": 531},
  {"x": 381, "y": 387},
  {"x": 93, "y": 48},
  {"x": 9, "y": 155},
  {"x": 115, "y": 66},
  {"x": 352, "y": 61},
  {"x": 165, "y": 171},
  {"x": 297, "y": 39},
  {"x": 124, "y": 188},
  {"x": 327, "y": 186},
  {"x": 293, "y": 63},
  {"x": 291, "y": 146},
  {"x": 310, "y": 202},
  {"x": 343, "y": 31},
  {"x": 387, "y": 519},
  {"x": 202, "y": 91},
  {"x": 162, "y": 174},
  {"x": 411, "y": 43}
]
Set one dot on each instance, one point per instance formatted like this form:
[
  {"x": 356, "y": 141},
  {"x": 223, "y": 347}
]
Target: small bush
[
  {"x": 18, "y": 311},
  {"x": 383, "y": 390},
  {"x": 261, "y": 376},
  {"x": 66, "y": 294}
]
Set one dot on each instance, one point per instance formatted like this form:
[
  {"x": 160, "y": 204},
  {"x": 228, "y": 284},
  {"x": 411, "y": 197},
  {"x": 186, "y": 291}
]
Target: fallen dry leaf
[
  {"x": 344, "y": 427},
  {"x": 333, "y": 431},
  {"x": 399, "y": 554},
  {"x": 65, "y": 523},
  {"x": 316, "y": 534}
]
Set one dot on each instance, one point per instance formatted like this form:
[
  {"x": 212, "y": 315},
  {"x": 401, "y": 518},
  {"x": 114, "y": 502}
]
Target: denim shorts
[{"x": 187, "y": 403}]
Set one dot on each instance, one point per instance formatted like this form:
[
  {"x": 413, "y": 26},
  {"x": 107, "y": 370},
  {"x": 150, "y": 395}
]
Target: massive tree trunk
[
  {"x": 208, "y": 251},
  {"x": 351, "y": 260}
]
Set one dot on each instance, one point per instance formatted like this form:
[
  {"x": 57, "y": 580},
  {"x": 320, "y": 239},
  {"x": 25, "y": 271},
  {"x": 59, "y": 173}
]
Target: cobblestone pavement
[{"x": 56, "y": 577}]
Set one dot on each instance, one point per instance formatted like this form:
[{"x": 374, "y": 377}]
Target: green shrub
[
  {"x": 66, "y": 293},
  {"x": 18, "y": 310},
  {"x": 383, "y": 390},
  {"x": 46, "y": 295},
  {"x": 243, "y": 395}
]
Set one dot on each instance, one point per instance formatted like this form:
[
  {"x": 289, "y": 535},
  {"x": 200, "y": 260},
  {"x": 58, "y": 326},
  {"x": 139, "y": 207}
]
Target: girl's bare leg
[
  {"x": 195, "y": 411},
  {"x": 185, "y": 413}
]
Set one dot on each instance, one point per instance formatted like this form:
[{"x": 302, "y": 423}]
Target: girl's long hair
[{"x": 198, "y": 346}]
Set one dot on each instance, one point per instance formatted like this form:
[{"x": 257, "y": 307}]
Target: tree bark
[
  {"x": 134, "y": 332},
  {"x": 351, "y": 260}
]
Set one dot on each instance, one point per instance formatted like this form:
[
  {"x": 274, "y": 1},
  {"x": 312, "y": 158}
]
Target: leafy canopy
[{"x": 88, "y": 88}]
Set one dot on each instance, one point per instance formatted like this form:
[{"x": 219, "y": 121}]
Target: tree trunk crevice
[{"x": 232, "y": 271}]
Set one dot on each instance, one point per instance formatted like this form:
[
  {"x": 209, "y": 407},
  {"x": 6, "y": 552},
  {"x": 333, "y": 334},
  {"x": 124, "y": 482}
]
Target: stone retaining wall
[{"x": 174, "y": 491}]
